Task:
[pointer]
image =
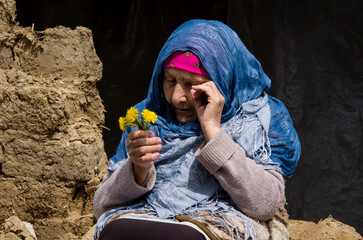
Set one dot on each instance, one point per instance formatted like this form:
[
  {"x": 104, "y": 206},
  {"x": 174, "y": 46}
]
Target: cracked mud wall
[{"x": 51, "y": 117}]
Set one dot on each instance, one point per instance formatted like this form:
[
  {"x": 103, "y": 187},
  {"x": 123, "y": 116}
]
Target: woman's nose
[{"x": 179, "y": 94}]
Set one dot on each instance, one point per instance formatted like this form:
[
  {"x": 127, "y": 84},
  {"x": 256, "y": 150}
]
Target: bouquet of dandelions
[{"x": 132, "y": 118}]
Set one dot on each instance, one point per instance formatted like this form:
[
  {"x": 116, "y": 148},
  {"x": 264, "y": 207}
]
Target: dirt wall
[{"x": 51, "y": 149}]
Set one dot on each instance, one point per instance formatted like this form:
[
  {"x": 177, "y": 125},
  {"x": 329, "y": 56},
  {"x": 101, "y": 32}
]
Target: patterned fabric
[
  {"x": 185, "y": 61},
  {"x": 259, "y": 123}
]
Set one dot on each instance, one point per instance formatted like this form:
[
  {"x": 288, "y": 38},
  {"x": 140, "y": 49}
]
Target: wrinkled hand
[
  {"x": 143, "y": 148},
  {"x": 209, "y": 103}
]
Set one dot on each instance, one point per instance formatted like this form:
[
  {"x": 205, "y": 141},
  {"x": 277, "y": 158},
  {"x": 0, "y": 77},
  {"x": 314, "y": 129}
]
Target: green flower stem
[
  {"x": 141, "y": 125},
  {"x": 138, "y": 124}
]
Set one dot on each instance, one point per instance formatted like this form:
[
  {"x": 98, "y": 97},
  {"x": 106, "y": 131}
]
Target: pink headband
[{"x": 187, "y": 61}]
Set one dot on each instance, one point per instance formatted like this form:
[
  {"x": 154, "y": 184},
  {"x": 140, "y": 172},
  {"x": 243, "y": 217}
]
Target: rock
[
  {"x": 69, "y": 236},
  {"x": 7, "y": 14},
  {"x": 90, "y": 234},
  {"x": 30, "y": 228},
  {"x": 9, "y": 236},
  {"x": 327, "y": 229},
  {"x": 14, "y": 228},
  {"x": 58, "y": 228}
]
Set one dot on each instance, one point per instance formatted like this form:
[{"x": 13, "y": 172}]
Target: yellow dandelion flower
[
  {"x": 131, "y": 115},
  {"x": 123, "y": 123},
  {"x": 149, "y": 116}
]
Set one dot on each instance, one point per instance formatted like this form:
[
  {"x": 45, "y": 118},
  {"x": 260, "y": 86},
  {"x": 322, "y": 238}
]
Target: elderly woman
[{"x": 213, "y": 165}]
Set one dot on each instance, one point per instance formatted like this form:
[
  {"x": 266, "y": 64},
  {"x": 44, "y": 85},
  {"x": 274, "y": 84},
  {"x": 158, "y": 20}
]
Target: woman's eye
[
  {"x": 171, "y": 80},
  {"x": 189, "y": 85}
]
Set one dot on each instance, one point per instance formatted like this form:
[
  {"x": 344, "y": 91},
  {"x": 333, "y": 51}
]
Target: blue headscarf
[
  {"x": 259, "y": 123},
  {"x": 238, "y": 76}
]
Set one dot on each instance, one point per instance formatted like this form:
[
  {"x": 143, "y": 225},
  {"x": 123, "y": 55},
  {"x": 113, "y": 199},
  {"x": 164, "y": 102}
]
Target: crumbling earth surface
[
  {"x": 327, "y": 229},
  {"x": 51, "y": 117},
  {"x": 52, "y": 155}
]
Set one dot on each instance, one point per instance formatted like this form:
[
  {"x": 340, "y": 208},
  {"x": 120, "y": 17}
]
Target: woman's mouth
[
  {"x": 182, "y": 110},
  {"x": 184, "y": 115}
]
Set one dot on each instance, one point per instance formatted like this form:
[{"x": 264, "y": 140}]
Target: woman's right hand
[{"x": 143, "y": 147}]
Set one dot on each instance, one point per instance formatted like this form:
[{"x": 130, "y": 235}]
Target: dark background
[{"x": 311, "y": 50}]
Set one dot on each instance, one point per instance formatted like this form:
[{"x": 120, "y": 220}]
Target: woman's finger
[
  {"x": 143, "y": 142},
  {"x": 210, "y": 90},
  {"x": 148, "y": 158},
  {"x": 144, "y": 150},
  {"x": 140, "y": 134},
  {"x": 145, "y": 161}
]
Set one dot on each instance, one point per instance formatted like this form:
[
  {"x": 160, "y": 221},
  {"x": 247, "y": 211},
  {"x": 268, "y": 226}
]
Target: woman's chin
[{"x": 182, "y": 119}]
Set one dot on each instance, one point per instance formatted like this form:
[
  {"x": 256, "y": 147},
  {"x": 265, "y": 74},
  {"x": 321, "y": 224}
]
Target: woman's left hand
[{"x": 209, "y": 103}]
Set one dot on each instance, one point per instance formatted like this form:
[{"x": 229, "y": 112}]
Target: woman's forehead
[{"x": 184, "y": 75}]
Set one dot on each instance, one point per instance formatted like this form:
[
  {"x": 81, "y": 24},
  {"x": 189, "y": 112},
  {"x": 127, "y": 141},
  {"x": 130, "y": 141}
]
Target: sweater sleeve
[
  {"x": 255, "y": 191},
  {"x": 120, "y": 188}
]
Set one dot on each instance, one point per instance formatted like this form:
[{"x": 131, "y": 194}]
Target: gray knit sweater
[{"x": 254, "y": 191}]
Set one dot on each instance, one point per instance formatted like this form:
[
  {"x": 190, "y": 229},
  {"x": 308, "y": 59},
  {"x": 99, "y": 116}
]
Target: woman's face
[{"x": 177, "y": 84}]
